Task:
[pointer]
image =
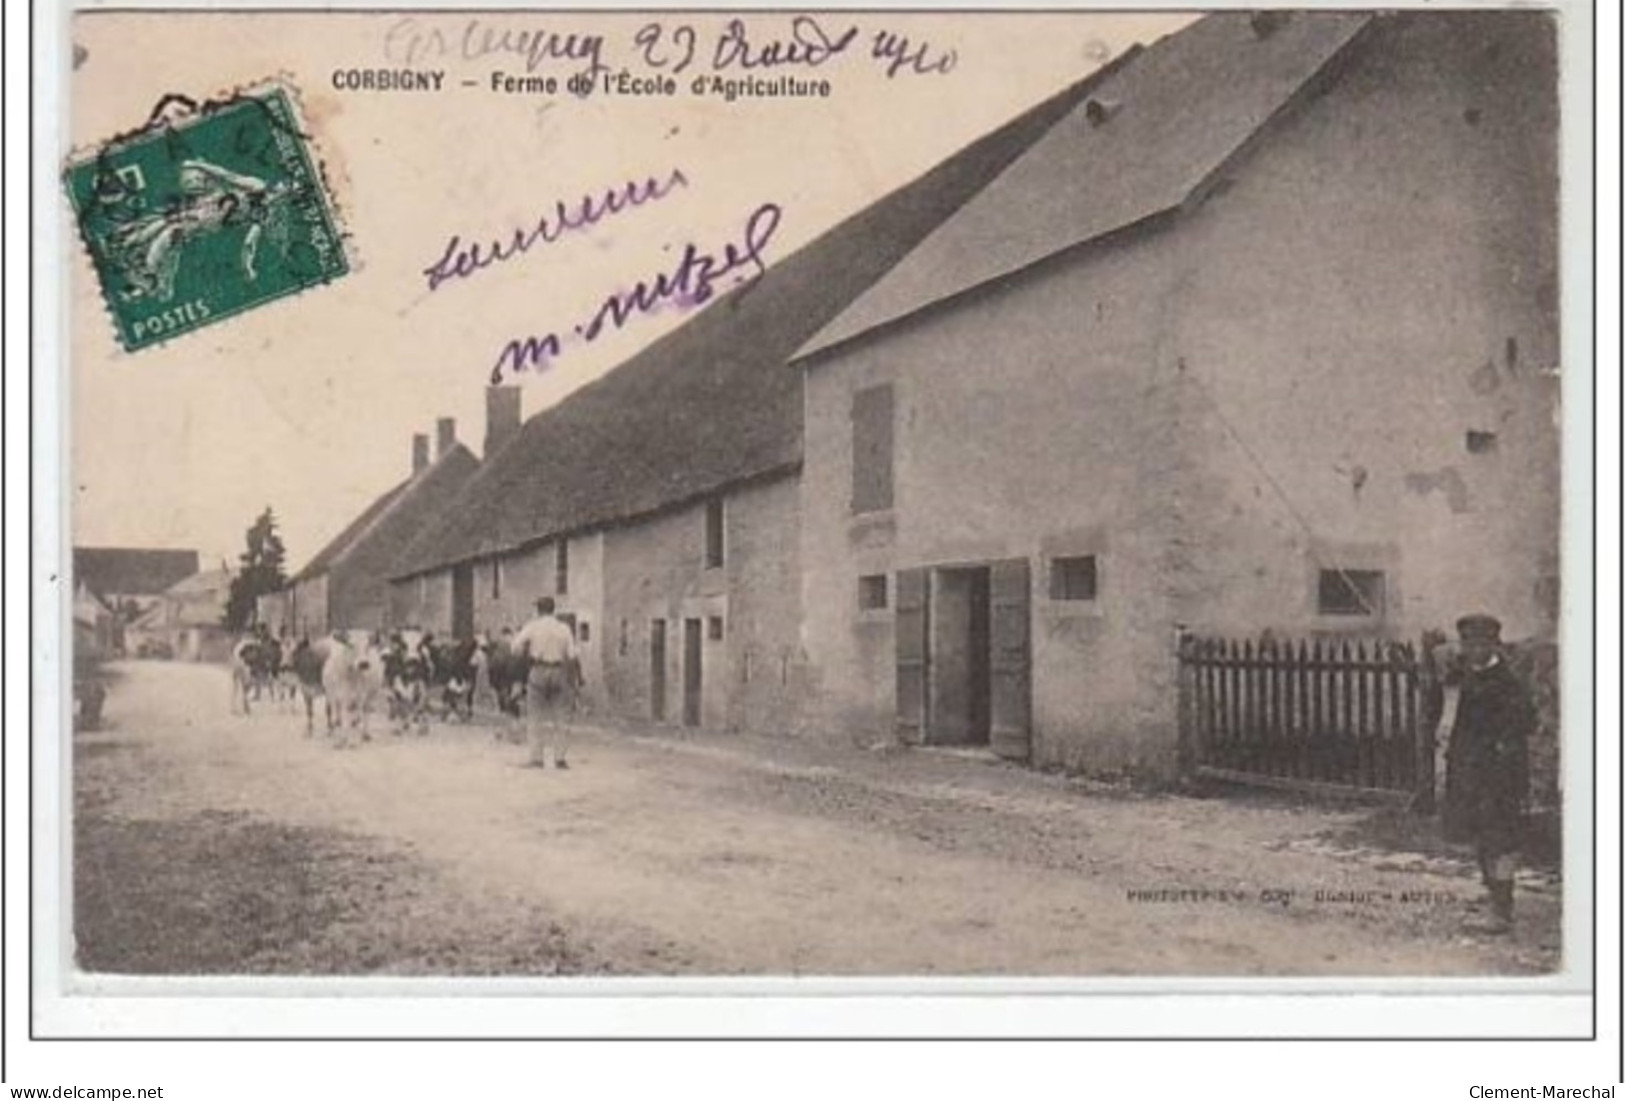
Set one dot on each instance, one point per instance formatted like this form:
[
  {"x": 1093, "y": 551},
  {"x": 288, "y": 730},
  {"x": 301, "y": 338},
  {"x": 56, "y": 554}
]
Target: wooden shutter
[
  {"x": 913, "y": 591},
  {"x": 1010, "y": 640},
  {"x": 872, "y": 449}
]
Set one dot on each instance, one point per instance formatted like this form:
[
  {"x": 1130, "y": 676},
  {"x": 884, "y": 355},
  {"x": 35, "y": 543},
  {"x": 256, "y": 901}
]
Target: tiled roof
[
  {"x": 711, "y": 404},
  {"x": 130, "y": 571},
  {"x": 1143, "y": 143},
  {"x": 374, "y": 540},
  {"x": 342, "y": 542}
]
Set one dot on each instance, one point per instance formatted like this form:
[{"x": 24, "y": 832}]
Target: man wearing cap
[
  {"x": 1487, "y": 760},
  {"x": 550, "y": 648}
]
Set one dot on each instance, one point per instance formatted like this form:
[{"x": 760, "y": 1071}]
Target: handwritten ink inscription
[
  {"x": 738, "y": 47},
  {"x": 460, "y": 261},
  {"x": 411, "y": 41},
  {"x": 695, "y": 279},
  {"x": 808, "y": 45}
]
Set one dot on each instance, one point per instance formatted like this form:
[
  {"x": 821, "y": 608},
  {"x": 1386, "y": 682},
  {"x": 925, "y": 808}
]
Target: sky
[{"x": 308, "y": 404}]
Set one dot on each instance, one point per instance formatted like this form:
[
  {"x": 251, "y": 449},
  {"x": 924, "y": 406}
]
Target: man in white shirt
[{"x": 550, "y": 647}]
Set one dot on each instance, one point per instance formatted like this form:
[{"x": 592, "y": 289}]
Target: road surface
[{"x": 212, "y": 843}]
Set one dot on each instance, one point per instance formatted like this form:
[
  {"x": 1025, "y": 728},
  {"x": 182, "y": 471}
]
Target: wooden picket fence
[{"x": 1338, "y": 715}]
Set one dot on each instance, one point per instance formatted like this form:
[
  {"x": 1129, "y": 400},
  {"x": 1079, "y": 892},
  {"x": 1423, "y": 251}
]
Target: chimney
[
  {"x": 501, "y": 417},
  {"x": 445, "y": 436},
  {"x": 420, "y": 452}
]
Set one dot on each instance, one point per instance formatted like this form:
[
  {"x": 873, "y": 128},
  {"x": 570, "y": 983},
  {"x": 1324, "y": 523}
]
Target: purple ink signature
[
  {"x": 694, "y": 281},
  {"x": 459, "y": 261}
]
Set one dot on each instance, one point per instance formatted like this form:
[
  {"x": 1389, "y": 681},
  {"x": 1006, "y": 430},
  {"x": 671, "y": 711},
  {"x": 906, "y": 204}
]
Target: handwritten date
[{"x": 739, "y": 46}]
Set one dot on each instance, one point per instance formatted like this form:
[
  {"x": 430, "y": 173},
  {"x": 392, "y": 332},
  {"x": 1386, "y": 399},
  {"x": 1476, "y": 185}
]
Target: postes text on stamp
[{"x": 190, "y": 222}]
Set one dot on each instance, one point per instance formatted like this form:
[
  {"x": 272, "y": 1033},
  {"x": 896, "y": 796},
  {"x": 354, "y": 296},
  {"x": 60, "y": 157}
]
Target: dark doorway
[
  {"x": 657, "y": 670},
  {"x": 462, "y": 601},
  {"x": 964, "y": 656},
  {"x": 693, "y": 640},
  {"x": 959, "y": 676}
]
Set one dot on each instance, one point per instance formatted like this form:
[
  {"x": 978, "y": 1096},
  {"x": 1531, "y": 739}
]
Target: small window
[
  {"x": 713, "y": 534},
  {"x": 496, "y": 578},
  {"x": 561, "y": 567},
  {"x": 1480, "y": 443},
  {"x": 624, "y": 640},
  {"x": 1073, "y": 578},
  {"x": 584, "y": 631},
  {"x": 1351, "y": 592},
  {"x": 872, "y": 592},
  {"x": 713, "y": 628}
]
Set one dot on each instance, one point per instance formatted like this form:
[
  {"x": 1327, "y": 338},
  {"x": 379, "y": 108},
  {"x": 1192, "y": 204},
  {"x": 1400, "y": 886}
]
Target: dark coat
[{"x": 1488, "y": 757}]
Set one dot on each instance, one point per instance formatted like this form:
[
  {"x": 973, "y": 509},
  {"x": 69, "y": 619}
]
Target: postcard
[{"x": 588, "y": 505}]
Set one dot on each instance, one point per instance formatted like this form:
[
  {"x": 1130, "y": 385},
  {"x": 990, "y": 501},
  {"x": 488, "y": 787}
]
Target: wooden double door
[
  {"x": 693, "y": 674},
  {"x": 964, "y": 656}
]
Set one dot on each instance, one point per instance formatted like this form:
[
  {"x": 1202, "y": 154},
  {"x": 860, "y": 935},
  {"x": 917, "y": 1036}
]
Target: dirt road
[{"x": 211, "y": 843}]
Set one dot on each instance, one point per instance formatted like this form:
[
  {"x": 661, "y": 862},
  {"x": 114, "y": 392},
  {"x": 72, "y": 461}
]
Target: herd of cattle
[{"x": 409, "y": 676}]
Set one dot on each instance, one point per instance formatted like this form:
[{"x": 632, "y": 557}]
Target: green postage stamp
[{"x": 191, "y": 221}]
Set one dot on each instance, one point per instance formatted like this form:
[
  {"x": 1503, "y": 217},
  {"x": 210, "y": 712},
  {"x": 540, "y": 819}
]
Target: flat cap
[{"x": 1479, "y": 627}]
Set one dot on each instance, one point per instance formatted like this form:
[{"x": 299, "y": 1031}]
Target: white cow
[{"x": 352, "y": 681}]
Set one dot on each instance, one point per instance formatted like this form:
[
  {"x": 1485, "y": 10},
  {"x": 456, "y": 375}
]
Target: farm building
[
  {"x": 1261, "y": 335},
  {"x": 93, "y": 624},
  {"x": 188, "y": 622},
  {"x": 345, "y": 586},
  {"x": 661, "y": 504},
  {"x": 129, "y": 581}
]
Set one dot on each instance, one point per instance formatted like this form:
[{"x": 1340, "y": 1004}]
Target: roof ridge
[{"x": 402, "y": 497}]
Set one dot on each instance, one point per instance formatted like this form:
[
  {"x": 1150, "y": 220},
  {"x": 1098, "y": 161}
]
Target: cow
[
  {"x": 307, "y": 663},
  {"x": 408, "y": 669},
  {"x": 241, "y": 675},
  {"x": 338, "y": 676},
  {"x": 352, "y": 681},
  {"x": 454, "y": 666},
  {"x": 249, "y": 663},
  {"x": 264, "y": 658},
  {"x": 506, "y": 670},
  {"x": 288, "y": 682}
]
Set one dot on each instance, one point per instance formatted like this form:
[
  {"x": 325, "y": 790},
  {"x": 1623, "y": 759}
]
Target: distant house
[
  {"x": 129, "y": 580},
  {"x": 345, "y": 586},
  {"x": 93, "y": 624},
  {"x": 661, "y": 505},
  {"x": 188, "y": 622},
  {"x": 1260, "y": 335}
]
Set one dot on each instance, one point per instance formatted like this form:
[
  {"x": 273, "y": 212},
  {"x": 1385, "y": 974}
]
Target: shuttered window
[
  {"x": 561, "y": 567},
  {"x": 872, "y": 449}
]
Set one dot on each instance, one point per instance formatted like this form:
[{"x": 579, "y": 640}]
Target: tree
[{"x": 261, "y": 572}]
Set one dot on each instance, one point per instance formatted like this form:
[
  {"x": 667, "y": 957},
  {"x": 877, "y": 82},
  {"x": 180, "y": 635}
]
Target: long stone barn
[
  {"x": 661, "y": 504},
  {"x": 1254, "y": 330}
]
